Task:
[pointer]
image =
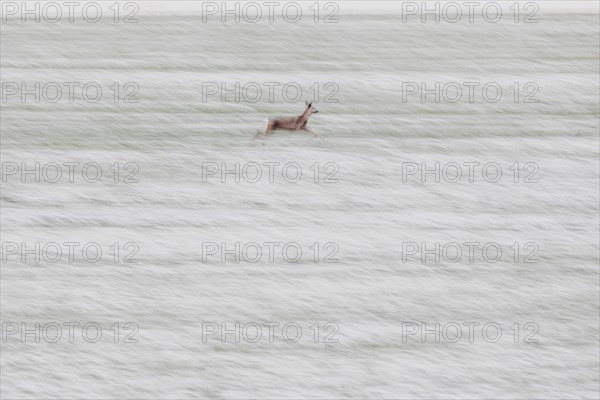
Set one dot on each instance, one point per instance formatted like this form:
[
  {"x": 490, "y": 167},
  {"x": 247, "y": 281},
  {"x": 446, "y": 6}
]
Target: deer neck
[{"x": 305, "y": 115}]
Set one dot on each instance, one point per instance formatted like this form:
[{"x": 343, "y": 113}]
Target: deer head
[{"x": 310, "y": 109}]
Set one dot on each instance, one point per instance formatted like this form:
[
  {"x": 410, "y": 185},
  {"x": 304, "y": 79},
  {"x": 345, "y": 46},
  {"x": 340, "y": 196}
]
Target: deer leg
[
  {"x": 268, "y": 129},
  {"x": 309, "y": 130},
  {"x": 257, "y": 135}
]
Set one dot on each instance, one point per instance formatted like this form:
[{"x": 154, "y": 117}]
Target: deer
[{"x": 290, "y": 123}]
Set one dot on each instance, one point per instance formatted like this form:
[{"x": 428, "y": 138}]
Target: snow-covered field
[{"x": 365, "y": 204}]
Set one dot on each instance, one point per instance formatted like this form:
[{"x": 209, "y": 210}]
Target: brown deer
[{"x": 290, "y": 123}]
